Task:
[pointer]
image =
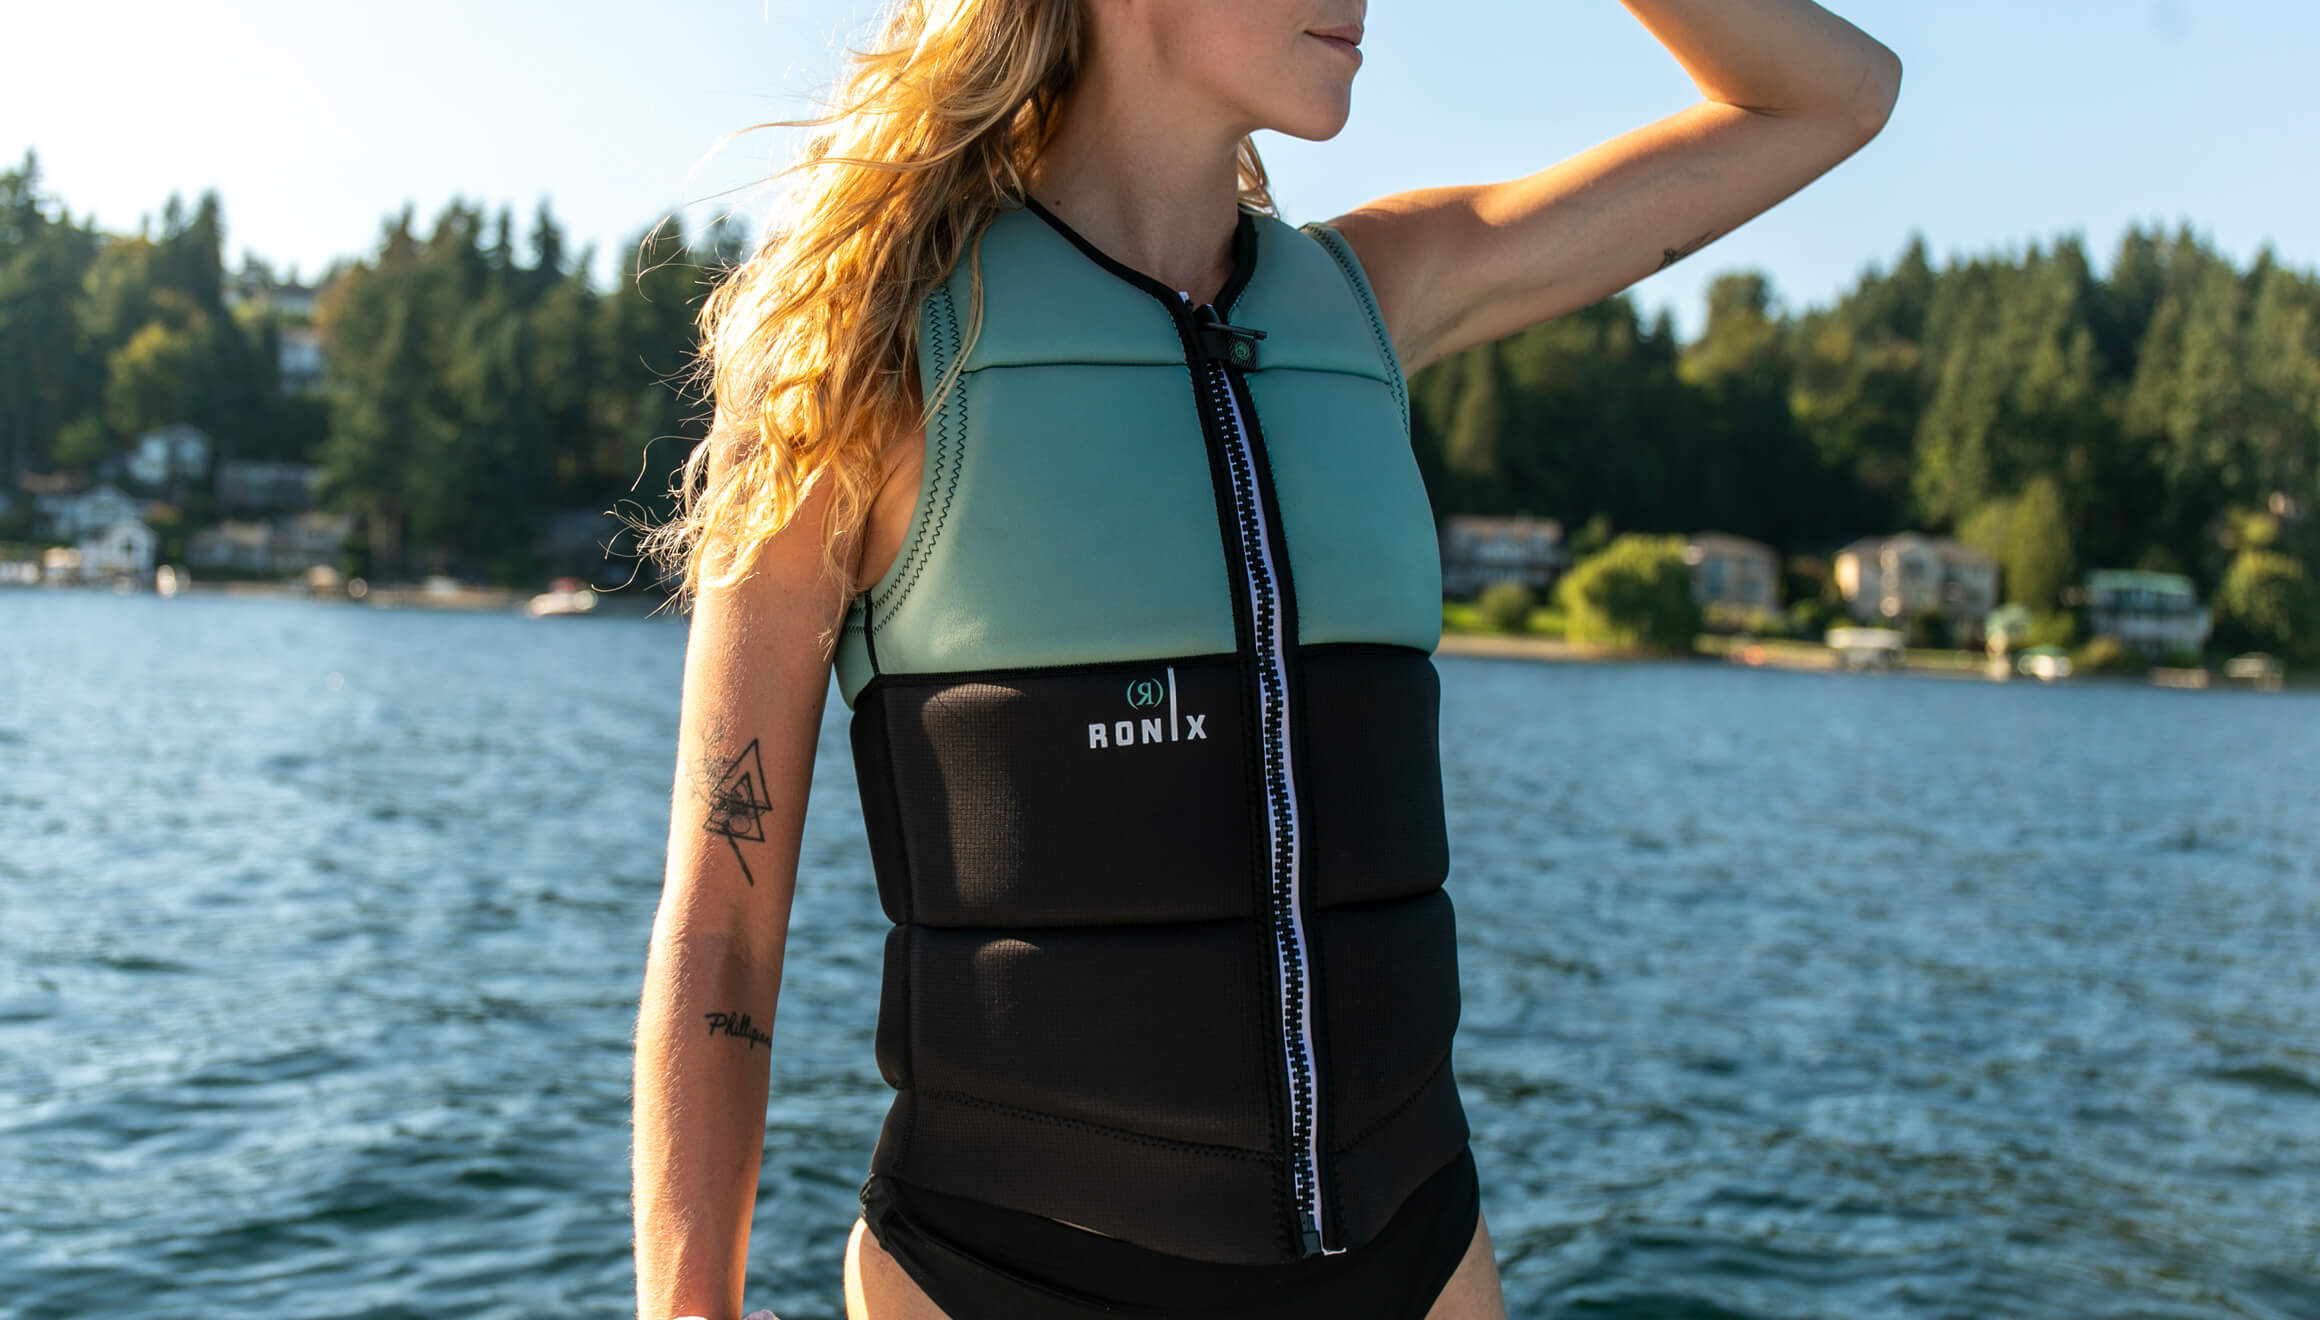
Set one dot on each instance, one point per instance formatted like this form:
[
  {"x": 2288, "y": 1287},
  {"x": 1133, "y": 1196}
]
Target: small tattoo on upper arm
[
  {"x": 738, "y": 802},
  {"x": 737, "y": 1024},
  {"x": 1670, "y": 256}
]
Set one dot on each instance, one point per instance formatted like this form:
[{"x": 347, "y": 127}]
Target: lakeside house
[
  {"x": 70, "y": 517},
  {"x": 291, "y": 543},
  {"x": 1479, "y": 551},
  {"x": 308, "y": 540},
  {"x": 231, "y": 544},
  {"x": 254, "y": 484},
  {"x": 169, "y": 454},
  {"x": 299, "y": 358},
  {"x": 1733, "y": 570},
  {"x": 124, "y": 549},
  {"x": 1888, "y": 578},
  {"x": 2152, "y": 614},
  {"x": 298, "y": 351},
  {"x": 252, "y": 286}
]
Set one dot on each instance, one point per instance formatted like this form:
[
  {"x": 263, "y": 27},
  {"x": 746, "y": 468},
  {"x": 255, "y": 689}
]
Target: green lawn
[{"x": 1463, "y": 616}]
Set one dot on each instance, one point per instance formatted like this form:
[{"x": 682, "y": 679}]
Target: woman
[{"x": 1092, "y": 479}]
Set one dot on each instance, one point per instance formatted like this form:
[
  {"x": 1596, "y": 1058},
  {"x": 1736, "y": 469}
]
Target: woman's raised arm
[
  {"x": 1790, "y": 90},
  {"x": 756, "y": 677}
]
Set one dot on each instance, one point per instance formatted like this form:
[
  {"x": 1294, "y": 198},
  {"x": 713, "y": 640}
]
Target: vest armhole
[
  {"x": 1342, "y": 252},
  {"x": 945, "y": 437}
]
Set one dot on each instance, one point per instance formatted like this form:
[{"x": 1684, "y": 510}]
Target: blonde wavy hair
[{"x": 810, "y": 345}]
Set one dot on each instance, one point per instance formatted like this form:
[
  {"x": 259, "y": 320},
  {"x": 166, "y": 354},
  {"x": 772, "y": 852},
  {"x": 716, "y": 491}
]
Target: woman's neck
[{"x": 1155, "y": 190}]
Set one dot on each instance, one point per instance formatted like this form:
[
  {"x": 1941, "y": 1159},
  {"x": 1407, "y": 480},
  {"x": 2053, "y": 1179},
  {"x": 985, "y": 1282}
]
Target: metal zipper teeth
[{"x": 1281, "y": 815}]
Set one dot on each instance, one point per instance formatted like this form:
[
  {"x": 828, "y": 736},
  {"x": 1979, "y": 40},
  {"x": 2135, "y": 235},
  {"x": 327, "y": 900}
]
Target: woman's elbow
[{"x": 1878, "y": 89}]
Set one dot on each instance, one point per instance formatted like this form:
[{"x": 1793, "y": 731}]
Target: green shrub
[
  {"x": 1636, "y": 591},
  {"x": 2267, "y": 603},
  {"x": 1752, "y": 620},
  {"x": 2100, "y": 654},
  {"x": 1810, "y": 617},
  {"x": 2058, "y": 628},
  {"x": 1592, "y": 536},
  {"x": 1934, "y": 629},
  {"x": 1506, "y": 606}
]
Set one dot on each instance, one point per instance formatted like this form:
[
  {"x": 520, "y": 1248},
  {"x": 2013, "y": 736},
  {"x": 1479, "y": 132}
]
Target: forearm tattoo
[
  {"x": 736, "y": 793},
  {"x": 737, "y": 1024},
  {"x": 1670, "y": 256}
]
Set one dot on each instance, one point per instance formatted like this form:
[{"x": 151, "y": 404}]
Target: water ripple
[{"x": 1784, "y": 995}]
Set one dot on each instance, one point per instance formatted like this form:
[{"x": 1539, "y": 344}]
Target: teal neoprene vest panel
[
  {"x": 1065, "y": 515},
  {"x": 1145, "y": 726}
]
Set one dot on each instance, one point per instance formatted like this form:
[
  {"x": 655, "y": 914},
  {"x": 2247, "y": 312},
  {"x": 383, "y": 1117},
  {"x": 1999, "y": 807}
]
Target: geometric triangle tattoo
[{"x": 737, "y": 808}]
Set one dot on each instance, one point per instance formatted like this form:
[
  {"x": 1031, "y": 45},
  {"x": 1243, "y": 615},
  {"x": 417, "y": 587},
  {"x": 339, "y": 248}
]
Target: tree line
[
  {"x": 2165, "y": 415},
  {"x": 473, "y": 383}
]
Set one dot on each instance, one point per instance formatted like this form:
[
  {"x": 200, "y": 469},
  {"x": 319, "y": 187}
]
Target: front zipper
[
  {"x": 1225, "y": 405},
  {"x": 1217, "y": 354}
]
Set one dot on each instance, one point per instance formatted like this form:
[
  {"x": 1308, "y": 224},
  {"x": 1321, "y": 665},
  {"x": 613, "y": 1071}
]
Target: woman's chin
[{"x": 1315, "y": 122}]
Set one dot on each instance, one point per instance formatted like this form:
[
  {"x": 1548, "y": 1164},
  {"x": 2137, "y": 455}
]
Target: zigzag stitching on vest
[
  {"x": 1330, "y": 241},
  {"x": 1379, "y": 1123},
  {"x": 1121, "y": 1134},
  {"x": 947, "y": 463}
]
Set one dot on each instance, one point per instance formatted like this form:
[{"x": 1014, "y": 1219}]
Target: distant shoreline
[
  {"x": 464, "y": 600},
  {"x": 1773, "y": 653},
  {"x": 1802, "y": 657}
]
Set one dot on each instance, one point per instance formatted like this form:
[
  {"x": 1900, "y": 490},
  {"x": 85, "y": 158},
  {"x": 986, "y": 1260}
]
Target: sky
[{"x": 2020, "y": 121}]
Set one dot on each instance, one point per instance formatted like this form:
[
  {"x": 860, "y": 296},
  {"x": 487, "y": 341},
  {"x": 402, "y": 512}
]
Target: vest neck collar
[{"x": 1244, "y": 252}]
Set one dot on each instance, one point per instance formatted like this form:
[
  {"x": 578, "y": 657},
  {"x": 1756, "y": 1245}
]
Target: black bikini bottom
[{"x": 977, "y": 1261}]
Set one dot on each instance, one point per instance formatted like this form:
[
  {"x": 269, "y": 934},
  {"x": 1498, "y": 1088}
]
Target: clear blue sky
[{"x": 2018, "y": 122}]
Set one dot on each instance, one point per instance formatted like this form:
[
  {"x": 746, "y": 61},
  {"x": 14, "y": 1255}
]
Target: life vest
[{"x": 1144, "y": 724}]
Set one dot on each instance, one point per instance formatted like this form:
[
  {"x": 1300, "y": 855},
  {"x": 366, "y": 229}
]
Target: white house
[
  {"x": 248, "y": 546},
  {"x": 166, "y": 453},
  {"x": 290, "y": 544},
  {"x": 70, "y": 517},
  {"x": 123, "y": 549},
  {"x": 291, "y": 307},
  {"x": 1479, "y": 551},
  {"x": 304, "y": 540},
  {"x": 1733, "y": 570},
  {"x": 1884, "y": 578},
  {"x": 2150, "y": 613},
  {"x": 300, "y": 359}
]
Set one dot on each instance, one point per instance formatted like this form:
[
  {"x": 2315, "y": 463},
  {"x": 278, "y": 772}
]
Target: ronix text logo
[{"x": 1148, "y": 693}]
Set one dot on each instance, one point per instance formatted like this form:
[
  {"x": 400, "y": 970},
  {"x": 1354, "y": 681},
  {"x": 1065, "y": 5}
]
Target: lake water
[{"x": 321, "y": 931}]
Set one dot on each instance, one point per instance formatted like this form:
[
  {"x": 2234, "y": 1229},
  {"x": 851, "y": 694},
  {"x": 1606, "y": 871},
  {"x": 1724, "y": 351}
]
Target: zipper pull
[
  {"x": 1234, "y": 344},
  {"x": 1310, "y": 1232}
]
